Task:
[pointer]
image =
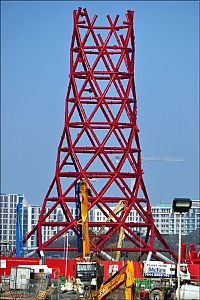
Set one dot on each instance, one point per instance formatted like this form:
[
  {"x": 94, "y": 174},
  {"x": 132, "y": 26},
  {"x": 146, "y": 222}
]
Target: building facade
[
  {"x": 164, "y": 217},
  {"x": 48, "y": 231},
  {"x": 8, "y": 217},
  {"x": 165, "y": 220}
]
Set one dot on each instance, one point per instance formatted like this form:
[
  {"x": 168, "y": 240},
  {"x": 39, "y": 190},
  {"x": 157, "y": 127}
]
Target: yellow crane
[
  {"x": 119, "y": 242},
  {"x": 123, "y": 276},
  {"x": 84, "y": 222},
  {"x": 116, "y": 210}
]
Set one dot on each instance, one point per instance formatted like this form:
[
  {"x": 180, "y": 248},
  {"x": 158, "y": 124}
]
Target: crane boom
[
  {"x": 125, "y": 275},
  {"x": 119, "y": 207},
  {"x": 19, "y": 244},
  {"x": 119, "y": 242},
  {"x": 116, "y": 210},
  {"x": 84, "y": 219}
]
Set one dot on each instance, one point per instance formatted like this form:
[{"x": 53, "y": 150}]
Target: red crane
[{"x": 100, "y": 124}]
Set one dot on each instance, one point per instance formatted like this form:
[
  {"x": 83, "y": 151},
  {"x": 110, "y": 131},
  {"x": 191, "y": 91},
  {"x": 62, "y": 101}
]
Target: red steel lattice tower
[{"x": 100, "y": 143}]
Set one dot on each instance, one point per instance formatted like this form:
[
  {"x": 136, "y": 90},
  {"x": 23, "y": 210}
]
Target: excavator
[{"x": 123, "y": 276}]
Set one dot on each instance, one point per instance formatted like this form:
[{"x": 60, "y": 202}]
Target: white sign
[
  {"x": 158, "y": 269},
  {"x": 2, "y": 264},
  {"x": 113, "y": 269}
]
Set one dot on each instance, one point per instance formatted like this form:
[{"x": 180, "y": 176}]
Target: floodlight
[{"x": 182, "y": 205}]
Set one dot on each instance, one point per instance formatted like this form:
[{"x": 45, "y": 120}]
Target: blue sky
[{"x": 35, "y": 40}]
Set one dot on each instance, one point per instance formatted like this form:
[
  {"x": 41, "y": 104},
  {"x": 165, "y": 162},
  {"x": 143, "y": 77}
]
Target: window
[{"x": 60, "y": 217}]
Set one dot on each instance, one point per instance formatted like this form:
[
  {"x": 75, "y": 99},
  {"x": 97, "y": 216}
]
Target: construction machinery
[
  {"x": 119, "y": 243},
  {"x": 89, "y": 273},
  {"x": 19, "y": 244},
  {"x": 84, "y": 221},
  {"x": 86, "y": 271},
  {"x": 124, "y": 276},
  {"x": 120, "y": 207}
]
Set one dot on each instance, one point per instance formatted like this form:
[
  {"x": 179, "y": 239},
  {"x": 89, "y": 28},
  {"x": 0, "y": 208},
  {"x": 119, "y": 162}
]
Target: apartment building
[
  {"x": 8, "y": 214},
  {"x": 165, "y": 220},
  {"x": 47, "y": 231},
  {"x": 164, "y": 217}
]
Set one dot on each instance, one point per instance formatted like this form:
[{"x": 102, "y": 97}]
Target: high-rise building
[
  {"x": 165, "y": 220},
  {"x": 8, "y": 217},
  {"x": 48, "y": 231},
  {"x": 164, "y": 217}
]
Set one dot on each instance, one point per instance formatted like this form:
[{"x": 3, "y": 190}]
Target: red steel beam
[{"x": 100, "y": 140}]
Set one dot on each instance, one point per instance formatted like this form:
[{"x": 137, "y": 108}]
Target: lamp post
[
  {"x": 66, "y": 258},
  {"x": 180, "y": 205},
  {"x": 65, "y": 251}
]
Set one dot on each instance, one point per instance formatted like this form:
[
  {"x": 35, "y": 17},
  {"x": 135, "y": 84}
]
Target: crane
[
  {"x": 156, "y": 158},
  {"x": 119, "y": 242},
  {"x": 116, "y": 210},
  {"x": 125, "y": 275},
  {"x": 84, "y": 222},
  {"x": 19, "y": 244},
  {"x": 165, "y": 159},
  {"x": 78, "y": 217},
  {"x": 119, "y": 207}
]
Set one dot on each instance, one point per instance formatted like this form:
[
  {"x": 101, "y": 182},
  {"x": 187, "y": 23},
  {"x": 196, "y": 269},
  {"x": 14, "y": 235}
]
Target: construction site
[{"x": 99, "y": 166}]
